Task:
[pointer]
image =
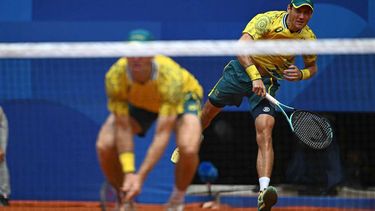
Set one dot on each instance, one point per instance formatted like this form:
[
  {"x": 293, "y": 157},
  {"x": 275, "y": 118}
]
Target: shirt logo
[
  {"x": 266, "y": 109},
  {"x": 192, "y": 107},
  {"x": 280, "y": 29}
]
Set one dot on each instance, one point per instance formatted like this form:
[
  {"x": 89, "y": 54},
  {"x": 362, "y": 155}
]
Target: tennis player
[
  {"x": 4, "y": 172},
  {"x": 142, "y": 90},
  {"x": 254, "y": 76}
]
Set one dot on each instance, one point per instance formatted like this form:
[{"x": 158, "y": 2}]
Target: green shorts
[
  {"x": 192, "y": 105},
  {"x": 236, "y": 84},
  {"x": 143, "y": 117}
]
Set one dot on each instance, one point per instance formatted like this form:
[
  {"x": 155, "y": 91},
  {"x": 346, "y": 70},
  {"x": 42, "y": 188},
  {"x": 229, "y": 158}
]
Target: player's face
[
  {"x": 298, "y": 17},
  {"x": 140, "y": 68}
]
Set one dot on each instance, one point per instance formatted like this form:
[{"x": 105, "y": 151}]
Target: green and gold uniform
[
  {"x": 236, "y": 84},
  {"x": 172, "y": 90},
  {"x": 271, "y": 26}
]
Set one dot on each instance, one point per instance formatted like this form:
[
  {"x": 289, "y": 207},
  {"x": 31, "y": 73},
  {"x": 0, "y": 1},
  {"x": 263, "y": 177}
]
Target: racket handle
[{"x": 272, "y": 99}]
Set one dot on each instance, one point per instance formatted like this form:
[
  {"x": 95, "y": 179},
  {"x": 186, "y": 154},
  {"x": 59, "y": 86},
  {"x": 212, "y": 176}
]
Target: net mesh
[
  {"x": 186, "y": 48},
  {"x": 54, "y": 97}
]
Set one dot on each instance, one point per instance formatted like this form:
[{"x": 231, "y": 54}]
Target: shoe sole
[{"x": 269, "y": 199}]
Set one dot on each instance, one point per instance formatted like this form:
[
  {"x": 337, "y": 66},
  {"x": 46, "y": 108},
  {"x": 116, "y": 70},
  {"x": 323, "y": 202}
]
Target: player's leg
[
  {"x": 4, "y": 173},
  {"x": 209, "y": 112},
  {"x": 264, "y": 115},
  {"x": 188, "y": 133},
  {"x": 227, "y": 91},
  {"x": 264, "y": 124},
  {"x": 109, "y": 162},
  {"x": 107, "y": 153}
]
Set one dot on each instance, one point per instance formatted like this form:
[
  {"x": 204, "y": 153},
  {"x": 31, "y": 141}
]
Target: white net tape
[{"x": 186, "y": 48}]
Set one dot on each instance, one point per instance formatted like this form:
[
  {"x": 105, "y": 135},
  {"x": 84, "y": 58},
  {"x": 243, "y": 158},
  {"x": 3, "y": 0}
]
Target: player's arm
[
  {"x": 124, "y": 136},
  {"x": 116, "y": 90},
  {"x": 124, "y": 143},
  {"x": 125, "y": 148},
  {"x": 163, "y": 131},
  {"x": 118, "y": 105},
  {"x": 245, "y": 60},
  {"x": 310, "y": 68},
  {"x": 256, "y": 29},
  {"x": 170, "y": 88},
  {"x": 251, "y": 69},
  {"x": 293, "y": 73},
  {"x": 164, "y": 127}
]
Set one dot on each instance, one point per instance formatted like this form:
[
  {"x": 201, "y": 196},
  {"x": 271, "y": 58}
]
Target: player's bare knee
[
  {"x": 188, "y": 150},
  {"x": 105, "y": 142},
  {"x": 264, "y": 139},
  {"x": 264, "y": 124}
]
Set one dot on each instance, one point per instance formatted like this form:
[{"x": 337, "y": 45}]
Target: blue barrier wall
[{"x": 53, "y": 124}]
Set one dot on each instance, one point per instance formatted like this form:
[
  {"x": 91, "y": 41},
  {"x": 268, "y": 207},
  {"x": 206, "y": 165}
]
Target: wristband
[
  {"x": 127, "y": 162},
  {"x": 305, "y": 74},
  {"x": 253, "y": 72}
]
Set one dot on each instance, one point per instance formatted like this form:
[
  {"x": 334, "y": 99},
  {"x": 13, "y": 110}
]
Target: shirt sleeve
[
  {"x": 310, "y": 59},
  {"x": 171, "y": 88},
  {"x": 116, "y": 89},
  {"x": 258, "y": 26}
]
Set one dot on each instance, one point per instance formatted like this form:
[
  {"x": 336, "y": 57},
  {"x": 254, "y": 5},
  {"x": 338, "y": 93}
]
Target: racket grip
[{"x": 271, "y": 99}]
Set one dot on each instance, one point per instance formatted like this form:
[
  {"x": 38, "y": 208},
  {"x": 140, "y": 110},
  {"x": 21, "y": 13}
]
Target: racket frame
[
  {"x": 289, "y": 118},
  {"x": 280, "y": 106}
]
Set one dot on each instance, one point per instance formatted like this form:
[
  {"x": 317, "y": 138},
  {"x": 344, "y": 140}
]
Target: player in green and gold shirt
[
  {"x": 254, "y": 76},
  {"x": 274, "y": 25},
  {"x": 141, "y": 90}
]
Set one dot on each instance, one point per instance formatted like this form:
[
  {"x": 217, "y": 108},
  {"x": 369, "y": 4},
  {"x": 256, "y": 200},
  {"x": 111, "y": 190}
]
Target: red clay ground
[{"x": 94, "y": 206}]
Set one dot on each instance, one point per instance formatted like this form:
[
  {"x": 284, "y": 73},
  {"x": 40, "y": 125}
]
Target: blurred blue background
[{"x": 55, "y": 106}]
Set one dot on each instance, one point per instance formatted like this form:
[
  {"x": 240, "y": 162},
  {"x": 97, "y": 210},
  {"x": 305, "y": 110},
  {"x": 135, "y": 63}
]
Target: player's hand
[
  {"x": 2, "y": 155},
  {"x": 132, "y": 186},
  {"x": 259, "y": 88},
  {"x": 292, "y": 73}
]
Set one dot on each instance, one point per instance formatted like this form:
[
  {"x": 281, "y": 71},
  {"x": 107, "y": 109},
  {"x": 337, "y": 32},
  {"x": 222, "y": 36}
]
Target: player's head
[
  {"x": 301, "y": 3},
  {"x": 140, "y": 35},
  {"x": 300, "y": 12},
  {"x": 140, "y": 67}
]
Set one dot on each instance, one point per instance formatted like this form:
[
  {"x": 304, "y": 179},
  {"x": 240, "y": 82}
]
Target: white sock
[
  {"x": 177, "y": 196},
  {"x": 263, "y": 183}
]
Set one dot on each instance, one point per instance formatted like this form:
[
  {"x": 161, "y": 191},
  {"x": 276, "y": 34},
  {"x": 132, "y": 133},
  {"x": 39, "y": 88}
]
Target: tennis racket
[
  {"x": 110, "y": 200},
  {"x": 108, "y": 197},
  {"x": 310, "y": 128}
]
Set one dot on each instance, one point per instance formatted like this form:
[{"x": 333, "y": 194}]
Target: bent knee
[
  {"x": 105, "y": 141},
  {"x": 189, "y": 150},
  {"x": 264, "y": 125},
  {"x": 106, "y": 136}
]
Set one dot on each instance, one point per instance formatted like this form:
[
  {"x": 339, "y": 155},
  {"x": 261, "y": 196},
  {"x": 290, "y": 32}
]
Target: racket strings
[{"x": 312, "y": 129}]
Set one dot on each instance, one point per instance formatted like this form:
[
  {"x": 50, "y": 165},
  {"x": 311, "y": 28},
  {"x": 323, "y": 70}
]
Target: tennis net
[{"x": 54, "y": 97}]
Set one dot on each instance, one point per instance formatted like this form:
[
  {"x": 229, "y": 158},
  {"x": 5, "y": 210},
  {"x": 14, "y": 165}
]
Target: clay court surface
[{"x": 95, "y": 206}]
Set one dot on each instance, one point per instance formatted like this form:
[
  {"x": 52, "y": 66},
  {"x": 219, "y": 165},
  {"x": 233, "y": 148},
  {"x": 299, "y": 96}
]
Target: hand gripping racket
[
  {"x": 111, "y": 200},
  {"x": 310, "y": 128}
]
